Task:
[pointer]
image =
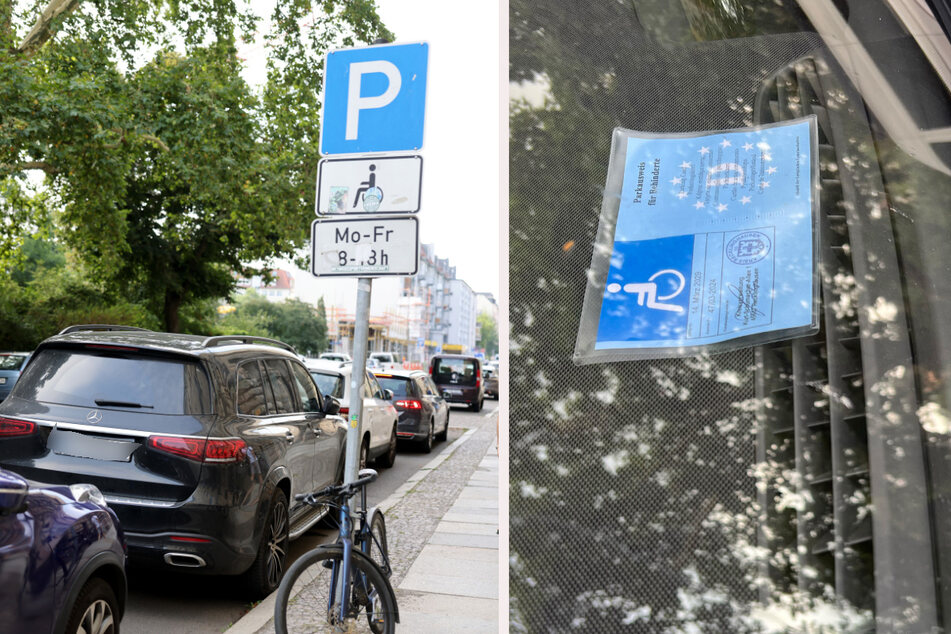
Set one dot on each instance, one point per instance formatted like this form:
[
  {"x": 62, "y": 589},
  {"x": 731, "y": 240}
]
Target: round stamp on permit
[{"x": 748, "y": 247}]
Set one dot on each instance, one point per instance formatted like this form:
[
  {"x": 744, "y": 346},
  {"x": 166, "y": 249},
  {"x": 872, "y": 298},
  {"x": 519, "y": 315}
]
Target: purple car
[{"x": 62, "y": 558}]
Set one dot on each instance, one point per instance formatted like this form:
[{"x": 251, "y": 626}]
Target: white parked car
[
  {"x": 378, "y": 427},
  {"x": 340, "y": 357},
  {"x": 387, "y": 361}
]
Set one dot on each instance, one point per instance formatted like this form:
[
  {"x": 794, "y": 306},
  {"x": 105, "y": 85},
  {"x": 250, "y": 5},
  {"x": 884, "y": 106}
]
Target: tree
[
  {"x": 293, "y": 321},
  {"x": 39, "y": 296},
  {"x": 488, "y": 334},
  {"x": 167, "y": 175},
  {"x": 297, "y": 323}
]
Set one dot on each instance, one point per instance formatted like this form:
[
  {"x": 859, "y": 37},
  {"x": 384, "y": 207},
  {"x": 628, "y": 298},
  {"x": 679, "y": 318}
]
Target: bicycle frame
[
  {"x": 342, "y": 585},
  {"x": 341, "y": 589}
]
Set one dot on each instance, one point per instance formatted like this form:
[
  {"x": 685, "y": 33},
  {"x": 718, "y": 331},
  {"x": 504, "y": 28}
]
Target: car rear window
[
  {"x": 329, "y": 384},
  {"x": 11, "y": 361},
  {"x": 399, "y": 386},
  {"x": 117, "y": 380},
  {"x": 455, "y": 371}
]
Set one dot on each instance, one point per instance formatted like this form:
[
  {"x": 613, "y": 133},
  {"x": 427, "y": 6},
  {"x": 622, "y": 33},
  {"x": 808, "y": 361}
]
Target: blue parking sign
[{"x": 374, "y": 99}]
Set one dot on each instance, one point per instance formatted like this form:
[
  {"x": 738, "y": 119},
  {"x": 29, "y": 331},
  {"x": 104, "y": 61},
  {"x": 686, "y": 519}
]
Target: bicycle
[{"x": 352, "y": 584}]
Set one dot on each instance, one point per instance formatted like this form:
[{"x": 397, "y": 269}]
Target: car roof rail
[
  {"x": 99, "y": 327},
  {"x": 223, "y": 340}
]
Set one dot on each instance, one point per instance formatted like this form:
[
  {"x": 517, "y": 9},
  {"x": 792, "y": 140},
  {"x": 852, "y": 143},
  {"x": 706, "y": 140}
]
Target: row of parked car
[
  {"x": 461, "y": 378},
  {"x": 182, "y": 452}
]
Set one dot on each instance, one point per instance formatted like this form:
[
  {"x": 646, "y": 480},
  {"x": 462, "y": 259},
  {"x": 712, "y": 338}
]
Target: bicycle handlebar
[{"x": 347, "y": 490}]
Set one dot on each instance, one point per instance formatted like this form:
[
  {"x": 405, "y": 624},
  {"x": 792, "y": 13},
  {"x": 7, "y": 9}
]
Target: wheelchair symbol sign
[{"x": 383, "y": 184}]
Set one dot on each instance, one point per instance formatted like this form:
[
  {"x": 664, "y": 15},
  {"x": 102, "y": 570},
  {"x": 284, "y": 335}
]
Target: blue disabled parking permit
[{"x": 714, "y": 240}]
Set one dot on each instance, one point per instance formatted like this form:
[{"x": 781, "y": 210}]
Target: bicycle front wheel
[{"x": 307, "y": 599}]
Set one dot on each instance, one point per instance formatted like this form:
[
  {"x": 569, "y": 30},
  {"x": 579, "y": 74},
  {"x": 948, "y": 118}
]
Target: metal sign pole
[{"x": 361, "y": 330}]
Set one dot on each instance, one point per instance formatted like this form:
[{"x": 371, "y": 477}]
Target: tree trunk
[
  {"x": 43, "y": 29},
  {"x": 173, "y": 302}
]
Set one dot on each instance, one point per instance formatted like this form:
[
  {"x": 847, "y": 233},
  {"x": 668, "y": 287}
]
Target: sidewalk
[
  {"x": 450, "y": 581},
  {"x": 454, "y": 583}
]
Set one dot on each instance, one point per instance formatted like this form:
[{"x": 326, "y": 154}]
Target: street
[{"x": 160, "y": 601}]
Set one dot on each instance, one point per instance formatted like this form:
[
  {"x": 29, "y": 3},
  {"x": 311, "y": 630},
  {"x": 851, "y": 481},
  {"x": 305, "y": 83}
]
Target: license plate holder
[{"x": 69, "y": 443}]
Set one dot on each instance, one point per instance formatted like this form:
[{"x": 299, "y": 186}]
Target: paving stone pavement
[
  {"x": 414, "y": 520},
  {"x": 453, "y": 585}
]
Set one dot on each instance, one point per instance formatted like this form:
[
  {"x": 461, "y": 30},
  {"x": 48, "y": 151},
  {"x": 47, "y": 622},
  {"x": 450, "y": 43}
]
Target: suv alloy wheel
[{"x": 266, "y": 572}]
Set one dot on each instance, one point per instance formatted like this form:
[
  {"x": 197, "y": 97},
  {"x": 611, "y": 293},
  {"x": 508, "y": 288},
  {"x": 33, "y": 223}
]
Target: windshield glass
[
  {"x": 399, "y": 386},
  {"x": 122, "y": 381},
  {"x": 11, "y": 361},
  {"x": 794, "y": 485},
  {"x": 329, "y": 384}
]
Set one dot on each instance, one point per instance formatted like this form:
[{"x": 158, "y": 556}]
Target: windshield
[
  {"x": 329, "y": 384},
  {"x": 793, "y": 485},
  {"x": 123, "y": 381},
  {"x": 11, "y": 361}
]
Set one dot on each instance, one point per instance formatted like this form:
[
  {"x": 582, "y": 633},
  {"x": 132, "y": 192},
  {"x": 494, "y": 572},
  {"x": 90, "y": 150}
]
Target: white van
[{"x": 387, "y": 361}]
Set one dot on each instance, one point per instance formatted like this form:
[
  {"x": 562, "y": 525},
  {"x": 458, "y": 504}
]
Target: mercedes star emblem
[{"x": 94, "y": 416}]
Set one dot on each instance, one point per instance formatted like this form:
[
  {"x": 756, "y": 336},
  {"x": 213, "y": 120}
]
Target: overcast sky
[
  {"x": 460, "y": 209},
  {"x": 460, "y": 205}
]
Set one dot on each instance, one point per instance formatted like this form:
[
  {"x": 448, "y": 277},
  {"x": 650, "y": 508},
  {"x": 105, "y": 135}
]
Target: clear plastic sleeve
[{"x": 707, "y": 242}]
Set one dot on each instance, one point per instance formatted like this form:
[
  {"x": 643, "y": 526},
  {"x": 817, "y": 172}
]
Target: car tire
[
  {"x": 330, "y": 520},
  {"x": 427, "y": 443},
  {"x": 444, "y": 434},
  {"x": 341, "y": 466},
  {"x": 364, "y": 457},
  {"x": 96, "y": 604},
  {"x": 265, "y": 574},
  {"x": 386, "y": 460}
]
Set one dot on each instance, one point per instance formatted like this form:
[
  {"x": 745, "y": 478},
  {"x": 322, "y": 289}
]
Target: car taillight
[
  {"x": 191, "y": 448},
  {"x": 224, "y": 450},
  {"x": 478, "y": 382},
  {"x": 409, "y": 404},
  {"x": 12, "y": 427},
  {"x": 199, "y": 449},
  {"x": 344, "y": 410}
]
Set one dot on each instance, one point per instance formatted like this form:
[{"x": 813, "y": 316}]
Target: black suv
[{"x": 198, "y": 443}]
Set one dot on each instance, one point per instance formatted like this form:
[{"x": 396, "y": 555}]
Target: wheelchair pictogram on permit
[{"x": 647, "y": 292}]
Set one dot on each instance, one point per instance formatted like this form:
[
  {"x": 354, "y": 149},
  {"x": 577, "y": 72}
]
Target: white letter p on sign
[{"x": 356, "y": 103}]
